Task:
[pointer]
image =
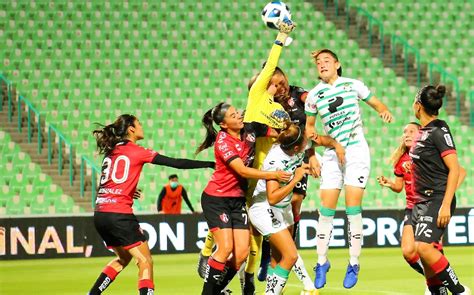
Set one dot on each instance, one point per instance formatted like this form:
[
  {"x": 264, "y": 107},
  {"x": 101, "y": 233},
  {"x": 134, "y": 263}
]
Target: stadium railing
[
  {"x": 29, "y": 109},
  {"x": 8, "y": 84},
  {"x": 52, "y": 133},
  {"x": 447, "y": 77},
  {"x": 94, "y": 173},
  {"x": 444, "y": 74},
  {"x": 406, "y": 50}
]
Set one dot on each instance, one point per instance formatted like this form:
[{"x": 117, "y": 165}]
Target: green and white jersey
[
  {"x": 277, "y": 159},
  {"x": 338, "y": 107}
]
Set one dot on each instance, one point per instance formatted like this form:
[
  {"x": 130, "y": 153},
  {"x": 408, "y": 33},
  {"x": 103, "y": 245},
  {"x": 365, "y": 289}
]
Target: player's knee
[
  {"x": 290, "y": 257},
  {"x": 422, "y": 248},
  {"x": 124, "y": 261},
  {"x": 145, "y": 262},
  {"x": 241, "y": 255},
  {"x": 225, "y": 248},
  {"x": 409, "y": 251}
]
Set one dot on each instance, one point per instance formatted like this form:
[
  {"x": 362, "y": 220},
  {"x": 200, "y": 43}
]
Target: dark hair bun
[{"x": 441, "y": 91}]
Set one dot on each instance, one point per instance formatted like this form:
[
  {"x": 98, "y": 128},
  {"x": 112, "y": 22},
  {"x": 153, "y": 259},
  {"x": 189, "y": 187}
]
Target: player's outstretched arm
[
  {"x": 381, "y": 109},
  {"x": 182, "y": 163},
  {"x": 246, "y": 172}
]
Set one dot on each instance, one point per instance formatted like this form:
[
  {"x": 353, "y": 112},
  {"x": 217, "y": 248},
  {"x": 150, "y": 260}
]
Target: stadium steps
[
  {"x": 21, "y": 139},
  {"x": 375, "y": 50}
]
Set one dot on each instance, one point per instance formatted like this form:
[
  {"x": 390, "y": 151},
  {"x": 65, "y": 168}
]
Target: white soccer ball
[{"x": 273, "y": 12}]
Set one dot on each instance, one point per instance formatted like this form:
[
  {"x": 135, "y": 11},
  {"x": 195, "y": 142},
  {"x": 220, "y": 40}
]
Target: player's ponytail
[
  {"x": 291, "y": 135},
  {"x": 431, "y": 98},
  {"x": 214, "y": 115},
  {"x": 109, "y": 135}
]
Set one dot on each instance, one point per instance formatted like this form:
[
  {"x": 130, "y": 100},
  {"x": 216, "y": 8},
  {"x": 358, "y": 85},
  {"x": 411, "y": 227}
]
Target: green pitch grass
[{"x": 383, "y": 271}]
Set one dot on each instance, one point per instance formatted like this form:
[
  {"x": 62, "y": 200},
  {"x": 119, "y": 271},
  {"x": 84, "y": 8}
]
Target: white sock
[
  {"x": 300, "y": 270},
  {"x": 354, "y": 234},
  {"x": 242, "y": 275},
  {"x": 275, "y": 285},
  {"x": 323, "y": 235}
]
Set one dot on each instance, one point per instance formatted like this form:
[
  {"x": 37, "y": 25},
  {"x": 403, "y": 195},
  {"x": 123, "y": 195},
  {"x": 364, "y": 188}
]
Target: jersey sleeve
[
  {"x": 271, "y": 165},
  {"x": 144, "y": 155},
  {"x": 363, "y": 92},
  {"x": 443, "y": 141},
  {"x": 259, "y": 129},
  {"x": 227, "y": 152},
  {"x": 398, "y": 169},
  {"x": 310, "y": 108}
]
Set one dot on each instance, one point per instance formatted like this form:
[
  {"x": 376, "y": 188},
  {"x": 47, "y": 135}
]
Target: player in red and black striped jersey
[
  {"x": 223, "y": 199},
  {"x": 113, "y": 217},
  {"x": 435, "y": 171}
]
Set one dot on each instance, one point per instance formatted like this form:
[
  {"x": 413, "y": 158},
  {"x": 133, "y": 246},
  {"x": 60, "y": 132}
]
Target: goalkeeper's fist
[{"x": 286, "y": 26}]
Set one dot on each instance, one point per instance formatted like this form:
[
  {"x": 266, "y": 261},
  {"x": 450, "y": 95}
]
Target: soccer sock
[
  {"x": 296, "y": 226},
  {"x": 302, "y": 274},
  {"x": 146, "y": 287},
  {"x": 106, "y": 277},
  {"x": 214, "y": 275},
  {"x": 354, "y": 233},
  {"x": 208, "y": 245},
  {"x": 242, "y": 275},
  {"x": 230, "y": 272},
  {"x": 415, "y": 263},
  {"x": 436, "y": 287},
  {"x": 265, "y": 259},
  {"x": 255, "y": 243},
  {"x": 270, "y": 272},
  {"x": 323, "y": 233},
  {"x": 445, "y": 273},
  {"x": 277, "y": 281}
]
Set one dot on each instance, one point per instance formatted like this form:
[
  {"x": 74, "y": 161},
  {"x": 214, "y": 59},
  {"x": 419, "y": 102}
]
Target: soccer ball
[{"x": 273, "y": 12}]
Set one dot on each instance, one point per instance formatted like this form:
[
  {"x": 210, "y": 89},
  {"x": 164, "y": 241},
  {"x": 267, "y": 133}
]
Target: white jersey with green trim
[
  {"x": 338, "y": 107},
  {"x": 277, "y": 159}
]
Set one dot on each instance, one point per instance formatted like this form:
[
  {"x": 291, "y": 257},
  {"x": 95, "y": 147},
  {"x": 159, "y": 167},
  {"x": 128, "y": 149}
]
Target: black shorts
[
  {"x": 302, "y": 185},
  {"x": 224, "y": 212},
  {"x": 118, "y": 229},
  {"x": 425, "y": 217},
  {"x": 407, "y": 218}
]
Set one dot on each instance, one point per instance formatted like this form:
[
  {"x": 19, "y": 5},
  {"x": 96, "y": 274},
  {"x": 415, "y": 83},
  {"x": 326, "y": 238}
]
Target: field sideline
[{"x": 383, "y": 271}]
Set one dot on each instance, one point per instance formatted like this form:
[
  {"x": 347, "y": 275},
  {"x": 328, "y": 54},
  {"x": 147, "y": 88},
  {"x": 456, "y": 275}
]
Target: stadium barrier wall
[{"x": 75, "y": 236}]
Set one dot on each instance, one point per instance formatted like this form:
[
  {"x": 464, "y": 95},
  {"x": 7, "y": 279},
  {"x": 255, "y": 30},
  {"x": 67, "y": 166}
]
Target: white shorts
[
  {"x": 355, "y": 172},
  {"x": 268, "y": 219}
]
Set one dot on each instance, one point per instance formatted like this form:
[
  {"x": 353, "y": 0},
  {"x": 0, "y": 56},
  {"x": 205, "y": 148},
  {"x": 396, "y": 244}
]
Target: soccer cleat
[
  {"x": 467, "y": 291},
  {"x": 262, "y": 272},
  {"x": 351, "y": 276},
  {"x": 202, "y": 265},
  {"x": 310, "y": 292},
  {"x": 320, "y": 273}
]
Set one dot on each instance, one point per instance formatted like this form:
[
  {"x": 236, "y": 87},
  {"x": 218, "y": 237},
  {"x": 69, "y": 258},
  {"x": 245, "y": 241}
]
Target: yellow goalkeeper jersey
[{"x": 261, "y": 108}]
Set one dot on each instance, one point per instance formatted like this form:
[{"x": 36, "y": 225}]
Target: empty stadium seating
[{"x": 82, "y": 63}]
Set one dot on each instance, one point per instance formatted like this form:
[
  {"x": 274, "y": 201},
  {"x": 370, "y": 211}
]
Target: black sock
[
  {"x": 415, "y": 263},
  {"x": 438, "y": 290},
  {"x": 146, "y": 287},
  {"x": 106, "y": 277},
  {"x": 296, "y": 226},
  {"x": 445, "y": 273},
  {"x": 265, "y": 258},
  {"x": 249, "y": 287},
  {"x": 229, "y": 274},
  {"x": 146, "y": 291},
  {"x": 213, "y": 277}
]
